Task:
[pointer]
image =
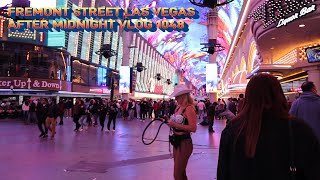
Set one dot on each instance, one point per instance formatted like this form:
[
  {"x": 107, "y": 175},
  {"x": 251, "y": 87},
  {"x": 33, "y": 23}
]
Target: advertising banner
[
  {"x": 124, "y": 80},
  {"x": 211, "y": 78},
  {"x": 33, "y": 83}
]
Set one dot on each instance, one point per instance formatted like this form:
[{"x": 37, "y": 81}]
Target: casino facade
[
  {"x": 277, "y": 37},
  {"x": 66, "y": 64}
]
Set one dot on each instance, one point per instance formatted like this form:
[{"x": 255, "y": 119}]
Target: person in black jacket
[
  {"x": 112, "y": 111},
  {"x": 52, "y": 115},
  {"x": 76, "y": 114},
  {"x": 93, "y": 109},
  {"x": 263, "y": 142},
  {"x": 42, "y": 111},
  {"x": 211, "y": 112},
  {"x": 32, "y": 112},
  {"x": 102, "y": 111}
]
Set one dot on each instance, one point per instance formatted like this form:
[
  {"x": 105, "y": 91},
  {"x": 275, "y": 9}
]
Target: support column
[
  {"x": 213, "y": 34},
  {"x": 126, "y": 37},
  {"x": 314, "y": 76}
]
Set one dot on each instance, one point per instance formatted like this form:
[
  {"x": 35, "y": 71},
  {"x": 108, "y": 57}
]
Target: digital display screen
[
  {"x": 211, "y": 78},
  {"x": 101, "y": 76},
  {"x": 124, "y": 79},
  {"x": 182, "y": 49},
  {"x": 313, "y": 54}
]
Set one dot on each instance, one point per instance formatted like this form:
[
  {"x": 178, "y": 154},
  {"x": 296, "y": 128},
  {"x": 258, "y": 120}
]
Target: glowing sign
[
  {"x": 124, "y": 80},
  {"x": 211, "y": 78},
  {"x": 282, "y": 12},
  {"x": 304, "y": 11}
]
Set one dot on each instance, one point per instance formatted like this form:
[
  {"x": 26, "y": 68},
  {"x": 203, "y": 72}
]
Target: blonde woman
[{"x": 183, "y": 122}]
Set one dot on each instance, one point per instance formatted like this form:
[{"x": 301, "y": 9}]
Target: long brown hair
[{"x": 263, "y": 94}]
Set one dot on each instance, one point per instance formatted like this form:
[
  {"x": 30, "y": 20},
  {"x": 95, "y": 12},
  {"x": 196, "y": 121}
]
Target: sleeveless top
[{"x": 185, "y": 122}]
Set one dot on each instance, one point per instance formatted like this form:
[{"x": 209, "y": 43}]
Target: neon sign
[
  {"x": 282, "y": 12},
  {"x": 304, "y": 11}
]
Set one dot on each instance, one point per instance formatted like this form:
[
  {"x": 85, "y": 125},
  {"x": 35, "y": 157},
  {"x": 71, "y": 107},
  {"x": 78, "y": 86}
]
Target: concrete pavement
[{"x": 96, "y": 155}]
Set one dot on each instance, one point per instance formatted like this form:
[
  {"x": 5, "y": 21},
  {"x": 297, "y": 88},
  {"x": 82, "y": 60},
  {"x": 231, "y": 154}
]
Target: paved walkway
[{"x": 96, "y": 155}]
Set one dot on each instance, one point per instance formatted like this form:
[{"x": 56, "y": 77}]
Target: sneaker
[
  {"x": 113, "y": 130},
  {"x": 80, "y": 129},
  {"x": 45, "y": 136},
  {"x": 41, "y": 135},
  {"x": 107, "y": 130}
]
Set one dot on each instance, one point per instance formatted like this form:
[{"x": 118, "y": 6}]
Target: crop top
[{"x": 184, "y": 122}]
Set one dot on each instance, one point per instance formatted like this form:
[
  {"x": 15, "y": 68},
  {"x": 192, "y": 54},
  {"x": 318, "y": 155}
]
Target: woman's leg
[{"x": 181, "y": 156}]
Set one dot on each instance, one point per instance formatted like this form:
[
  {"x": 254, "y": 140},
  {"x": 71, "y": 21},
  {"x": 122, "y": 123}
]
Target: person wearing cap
[{"x": 183, "y": 122}]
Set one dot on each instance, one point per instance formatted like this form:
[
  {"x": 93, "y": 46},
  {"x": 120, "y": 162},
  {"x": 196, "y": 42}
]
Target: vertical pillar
[
  {"x": 314, "y": 76},
  {"x": 126, "y": 54},
  {"x": 213, "y": 34}
]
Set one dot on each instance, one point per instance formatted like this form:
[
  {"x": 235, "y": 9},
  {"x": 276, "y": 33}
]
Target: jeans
[
  {"x": 201, "y": 113},
  {"x": 150, "y": 113},
  {"x": 95, "y": 118},
  {"x": 82, "y": 120},
  {"x": 26, "y": 117},
  {"x": 131, "y": 114},
  {"x": 143, "y": 115},
  {"x": 76, "y": 120},
  {"x": 61, "y": 118},
  {"x": 32, "y": 117},
  {"x": 102, "y": 119},
  {"x": 41, "y": 124},
  {"x": 211, "y": 122},
  {"x": 113, "y": 119}
]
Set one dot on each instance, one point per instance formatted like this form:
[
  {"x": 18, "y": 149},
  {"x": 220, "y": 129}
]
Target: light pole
[{"x": 213, "y": 34}]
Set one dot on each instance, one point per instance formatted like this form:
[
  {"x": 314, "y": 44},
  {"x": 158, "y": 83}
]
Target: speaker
[
  {"x": 106, "y": 47},
  {"x": 211, "y": 50},
  {"x": 210, "y": 3},
  {"x": 139, "y": 67},
  {"x": 158, "y": 76},
  {"x": 106, "y": 54}
]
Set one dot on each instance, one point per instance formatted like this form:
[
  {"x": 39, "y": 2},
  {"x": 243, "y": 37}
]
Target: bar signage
[
  {"x": 282, "y": 12},
  {"x": 31, "y": 83},
  {"x": 304, "y": 11}
]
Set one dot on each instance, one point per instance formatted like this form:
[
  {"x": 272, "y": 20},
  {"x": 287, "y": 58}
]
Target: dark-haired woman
[{"x": 263, "y": 142}]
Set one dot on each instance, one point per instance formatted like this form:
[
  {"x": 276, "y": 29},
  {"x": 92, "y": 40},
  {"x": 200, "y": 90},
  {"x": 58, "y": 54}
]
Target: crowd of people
[{"x": 265, "y": 137}]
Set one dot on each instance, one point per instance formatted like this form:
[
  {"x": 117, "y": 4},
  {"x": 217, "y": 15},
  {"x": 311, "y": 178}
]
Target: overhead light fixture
[
  {"x": 273, "y": 38},
  {"x": 302, "y": 25},
  {"x": 272, "y": 48},
  {"x": 210, "y": 3}
]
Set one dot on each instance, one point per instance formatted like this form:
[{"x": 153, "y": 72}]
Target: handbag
[{"x": 292, "y": 168}]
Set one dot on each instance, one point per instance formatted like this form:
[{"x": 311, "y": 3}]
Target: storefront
[{"x": 278, "y": 40}]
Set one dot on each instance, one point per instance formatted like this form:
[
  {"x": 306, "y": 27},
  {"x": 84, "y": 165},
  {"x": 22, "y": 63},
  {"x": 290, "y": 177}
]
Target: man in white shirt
[{"x": 201, "y": 108}]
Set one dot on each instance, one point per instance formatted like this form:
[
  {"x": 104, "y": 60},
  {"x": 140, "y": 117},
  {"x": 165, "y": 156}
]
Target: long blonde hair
[{"x": 187, "y": 99}]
